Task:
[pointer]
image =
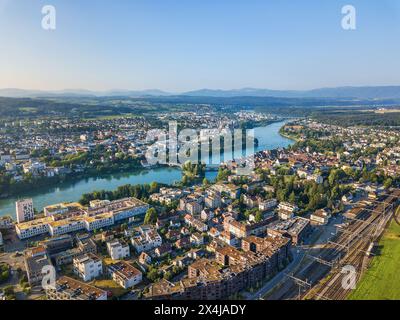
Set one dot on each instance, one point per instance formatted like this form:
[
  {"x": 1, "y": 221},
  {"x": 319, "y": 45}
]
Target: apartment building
[
  {"x": 70, "y": 289},
  {"x": 146, "y": 239},
  {"x": 118, "y": 250},
  {"x": 35, "y": 260},
  {"x": 88, "y": 267},
  {"x": 125, "y": 274},
  {"x": 24, "y": 210}
]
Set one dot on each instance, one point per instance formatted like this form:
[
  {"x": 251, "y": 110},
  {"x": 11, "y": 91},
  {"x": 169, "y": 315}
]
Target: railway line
[{"x": 321, "y": 276}]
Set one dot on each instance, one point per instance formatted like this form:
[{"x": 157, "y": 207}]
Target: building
[
  {"x": 88, "y": 267},
  {"x": 231, "y": 272},
  {"x": 70, "y": 289},
  {"x": 286, "y": 210},
  {"x": 145, "y": 239},
  {"x": 99, "y": 221},
  {"x": 6, "y": 222},
  {"x": 267, "y": 204},
  {"x": 24, "y": 210},
  {"x": 1, "y": 240},
  {"x": 320, "y": 217},
  {"x": 32, "y": 228},
  {"x": 297, "y": 229},
  {"x": 196, "y": 239},
  {"x": 118, "y": 250},
  {"x": 35, "y": 260},
  {"x": 60, "y": 227},
  {"x": 195, "y": 223},
  {"x": 61, "y": 208},
  {"x": 124, "y": 274}
]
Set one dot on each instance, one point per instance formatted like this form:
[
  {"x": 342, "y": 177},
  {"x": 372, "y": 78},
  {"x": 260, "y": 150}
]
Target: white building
[
  {"x": 71, "y": 289},
  {"x": 124, "y": 274},
  {"x": 24, "y": 210},
  {"x": 57, "y": 228},
  {"x": 88, "y": 267},
  {"x": 320, "y": 217},
  {"x": 267, "y": 204},
  {"x": 147, "y": 240},
  {"x": 118, "y": 250},
  {"x": 32, "y": 228},
  {"x": 99, "y": 221}
]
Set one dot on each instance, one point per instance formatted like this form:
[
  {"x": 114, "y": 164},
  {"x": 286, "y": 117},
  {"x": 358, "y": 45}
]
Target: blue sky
[{"x": 179, "y": 45}]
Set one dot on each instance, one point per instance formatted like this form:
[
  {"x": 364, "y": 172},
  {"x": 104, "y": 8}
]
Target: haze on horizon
[{"x": 178, "y": 46}]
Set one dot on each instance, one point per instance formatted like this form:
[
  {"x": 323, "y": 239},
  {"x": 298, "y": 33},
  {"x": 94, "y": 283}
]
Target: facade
[
  {"x": 146, "y": 240},
  {"x": 320, "y": 217},
  {"x": 71, "y": 289},
  {"x": 24, "y": 210},
  {"x": 124, "y": 274},
  {"x": 71, "y": 217},
  {"x": 35, "y": 261},
  {"x": 88, "y": 267},
  {"x": 230, "y": 272},
  {"x": 118, "y": 250}
]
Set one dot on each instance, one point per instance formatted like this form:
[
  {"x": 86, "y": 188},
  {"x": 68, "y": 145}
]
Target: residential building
[
  {"x": 24, "y": 210},
  {"x": 70, "y": 289},
  {"x": 118, "y": 250},
  {"x": 125, "y": 274},
  {"x": 88, "y": 267}
]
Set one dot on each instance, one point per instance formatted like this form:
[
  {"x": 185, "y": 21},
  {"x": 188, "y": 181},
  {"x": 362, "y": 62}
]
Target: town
[{"x": 237, "y": 237}]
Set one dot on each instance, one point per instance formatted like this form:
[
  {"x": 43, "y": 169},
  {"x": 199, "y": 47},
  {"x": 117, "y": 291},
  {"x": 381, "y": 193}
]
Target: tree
[
  {"x": 388, "y": 183},
  {"x": 151, "y": 216},
  {"x": 259, "y": 216},
  {"x": 205, "y": 182}
]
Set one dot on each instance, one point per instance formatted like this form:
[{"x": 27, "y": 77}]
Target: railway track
[
  {"x": 332, "y": 288},
  {"x": 349, "y": 247}
]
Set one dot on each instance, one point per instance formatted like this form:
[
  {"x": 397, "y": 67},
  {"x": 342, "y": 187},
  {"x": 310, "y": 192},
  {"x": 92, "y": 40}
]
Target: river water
[{"x": 268, "y": 137}]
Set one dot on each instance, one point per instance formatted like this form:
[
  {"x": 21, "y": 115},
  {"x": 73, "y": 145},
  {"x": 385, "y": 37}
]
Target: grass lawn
[
  {"x": 110, "y": 285},
  {"x": 382, "y": 280}
]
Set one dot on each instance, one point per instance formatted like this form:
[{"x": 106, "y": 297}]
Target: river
[{"x": 268, "y": 138}]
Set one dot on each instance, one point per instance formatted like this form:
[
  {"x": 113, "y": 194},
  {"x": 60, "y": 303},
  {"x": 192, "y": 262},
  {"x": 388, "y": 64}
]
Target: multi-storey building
[
  {"x": 118, "y": 250},
  {"x": 70, "y": 289},
  {"x": 88, "y": 267},
  {"x": 24, "y": 210},
  {"x": 124, "y": 274}
]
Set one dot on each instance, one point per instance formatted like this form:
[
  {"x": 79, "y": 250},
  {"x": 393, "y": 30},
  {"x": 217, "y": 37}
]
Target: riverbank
[{"x": 268, "y": 137}]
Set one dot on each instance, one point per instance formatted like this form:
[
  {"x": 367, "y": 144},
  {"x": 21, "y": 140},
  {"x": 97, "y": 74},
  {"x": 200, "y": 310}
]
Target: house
[
  {"x": 163, "y": 250},
  {"x": 88, "y": 267},
  {"x": 181, "y": 262},
  {"x": 144, "y": 258},
  {"x": 206, "y": 215},
  {"x": 125, "y": 274},
  {"x": 214, "y": 232},
  {"x": 228, "y": 238},
  {"x": 182, "y": 243},
  {"x": 320, "y": 217},
  {"x": 118, "y": 250},
  {"x": 286, "y": 210},
  {"x": 266, "y": 205},
  {"x": 35, "y": 261},
  {"x": 197, "y": 239},
  {"x": 70, "y": 289},
  {"x": 173, "y": 235},
  {"x": 146, "y": 239}
]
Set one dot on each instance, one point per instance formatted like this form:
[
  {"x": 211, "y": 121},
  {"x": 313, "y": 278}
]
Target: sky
[{"x": 182, "y": 45}]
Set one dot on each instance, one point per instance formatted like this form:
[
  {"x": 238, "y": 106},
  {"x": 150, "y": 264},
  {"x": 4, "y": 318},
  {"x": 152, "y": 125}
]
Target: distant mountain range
[{"x": 372, "y": 92}]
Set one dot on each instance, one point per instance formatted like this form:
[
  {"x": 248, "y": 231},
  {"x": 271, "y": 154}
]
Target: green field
[{"x": 382, "y": 280}]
